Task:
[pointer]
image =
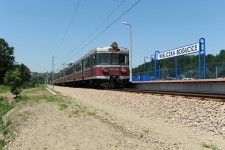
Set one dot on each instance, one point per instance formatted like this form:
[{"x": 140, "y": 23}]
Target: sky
[{"x": 69, "y": 29}]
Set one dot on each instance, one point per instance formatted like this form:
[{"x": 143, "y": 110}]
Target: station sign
[{"x": 193, "y": 48}]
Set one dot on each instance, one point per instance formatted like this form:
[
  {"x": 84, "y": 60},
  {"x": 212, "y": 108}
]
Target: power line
[
  {"x": 103, "y": 22},
  {"x": 68, "y": 27},
  {"x": 106, "y": 28}
]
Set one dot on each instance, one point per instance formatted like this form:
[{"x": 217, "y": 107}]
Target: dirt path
[{"x": 54, "y": 129}]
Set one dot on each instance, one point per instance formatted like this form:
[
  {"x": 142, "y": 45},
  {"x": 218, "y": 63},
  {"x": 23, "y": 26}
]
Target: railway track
[{"x": 219, "y": 97}]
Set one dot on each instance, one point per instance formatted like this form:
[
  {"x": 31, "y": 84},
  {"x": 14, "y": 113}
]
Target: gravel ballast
[{"x": 195, "y": 119}]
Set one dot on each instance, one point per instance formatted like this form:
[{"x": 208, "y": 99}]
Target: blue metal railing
[{"x": 215, "y": 70}]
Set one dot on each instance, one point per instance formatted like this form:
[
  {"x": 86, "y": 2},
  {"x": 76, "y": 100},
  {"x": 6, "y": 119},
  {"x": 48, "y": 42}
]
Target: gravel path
[
  {"x": 168, "y": 122},
  {"x": 48, "y": 127}
]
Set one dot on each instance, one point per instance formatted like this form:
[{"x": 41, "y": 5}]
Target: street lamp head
[
  {"x": 146, "y": 59},
  {"x": 125, "y": 23}
]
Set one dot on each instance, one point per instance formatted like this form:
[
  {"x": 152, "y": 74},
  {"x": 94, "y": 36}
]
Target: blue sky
[{"x": 37, "y": 28}]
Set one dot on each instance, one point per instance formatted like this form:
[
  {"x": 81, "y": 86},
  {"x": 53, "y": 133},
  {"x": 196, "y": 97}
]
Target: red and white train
[{"x": 106, "y": 66}]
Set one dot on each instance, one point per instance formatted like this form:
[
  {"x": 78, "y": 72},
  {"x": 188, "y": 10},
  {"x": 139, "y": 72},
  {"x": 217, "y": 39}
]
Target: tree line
[{"x": 15, "y": 75}]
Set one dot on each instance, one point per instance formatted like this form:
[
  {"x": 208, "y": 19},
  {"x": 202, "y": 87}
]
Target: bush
[
  {"x": 13, "y": 80},
  {"x": 1, "y": 98}
]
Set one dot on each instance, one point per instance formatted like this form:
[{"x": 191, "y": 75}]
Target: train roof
[
  {"x": 99, "y": 49},
  {"x": 107, "y": 49}
]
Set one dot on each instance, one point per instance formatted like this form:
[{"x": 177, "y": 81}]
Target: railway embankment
[
  {"x": 102, "y": 119},
  {"x": 172, "y": 122}
]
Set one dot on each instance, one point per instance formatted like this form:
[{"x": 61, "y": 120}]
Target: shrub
[{"x": 13, "y": 80}]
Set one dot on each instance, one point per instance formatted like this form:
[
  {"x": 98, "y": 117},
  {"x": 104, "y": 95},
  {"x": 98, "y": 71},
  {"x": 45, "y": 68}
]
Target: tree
[
  {"x": 24, "y": 74},
  {"x": 6, "y": 58},
  {"x": 13, "y": 80},
  {"x": 221, "y": 56}
]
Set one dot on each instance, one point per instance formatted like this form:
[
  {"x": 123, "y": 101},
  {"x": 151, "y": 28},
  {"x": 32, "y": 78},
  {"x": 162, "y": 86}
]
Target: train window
[
  {"x": 62, "y": 74},
  {"x": 69, "y": 71},
  {"x": 87, "y": 63},
  {"x": 104, "y": 59},
  {"x": 123, "y": 59},
  {"x": 78, "y": 67},
  {"x": 119, "y": 59},
  {"x": 94, "y": 60},
  {"x": 57, "y": 76},
  {"x": 115, "y": 59},
  {"x": 126, "y": 60}
]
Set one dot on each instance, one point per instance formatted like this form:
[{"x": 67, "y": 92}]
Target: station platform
[{"x": 203, "y": 85}]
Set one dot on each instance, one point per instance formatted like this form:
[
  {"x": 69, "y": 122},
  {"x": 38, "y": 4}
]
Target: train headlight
[
  {"x": 105, "y": 70},
  {"x": 123, "y": 70}
]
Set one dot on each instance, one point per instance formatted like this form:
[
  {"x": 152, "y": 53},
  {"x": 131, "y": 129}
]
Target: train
[{"x": 104, "y": 66}]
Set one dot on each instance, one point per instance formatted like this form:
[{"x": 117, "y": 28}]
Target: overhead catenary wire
[
  {"x": 124, "y": 13},
  {"x": 68, "y": 27},
  {"x": 100, "y": 25}
]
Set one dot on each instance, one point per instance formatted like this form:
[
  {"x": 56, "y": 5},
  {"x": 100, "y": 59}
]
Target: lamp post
[
  {"x": 156, "y": 52},
  {"x": 130, "y": 51},
  {"x": 150, "y": 59},
  {"x": 145, "y": 60}
]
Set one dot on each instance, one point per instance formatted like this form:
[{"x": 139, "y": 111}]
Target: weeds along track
[{"x": 217, "y": 97}]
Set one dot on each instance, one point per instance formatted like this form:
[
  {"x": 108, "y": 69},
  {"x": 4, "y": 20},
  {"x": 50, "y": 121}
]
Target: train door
[
  {"x": 82, "y": 69},
  {"x": 91, "y": 65}
]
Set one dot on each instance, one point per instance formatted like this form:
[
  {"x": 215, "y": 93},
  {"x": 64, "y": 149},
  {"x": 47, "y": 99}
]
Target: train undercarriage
[{"x": 113, "y": 83}]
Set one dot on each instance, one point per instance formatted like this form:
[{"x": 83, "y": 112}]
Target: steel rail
[{"x": 220, "y": 97}]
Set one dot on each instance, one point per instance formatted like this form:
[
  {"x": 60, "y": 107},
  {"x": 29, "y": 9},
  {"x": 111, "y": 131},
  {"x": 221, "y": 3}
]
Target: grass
[
  {"x": 145, "y": 131},
  {"x": 91, "y": 113},
  {"x": 48, "y": 98},
  {"x": 24, "y": 98},
  {"x": 4, "y": 89},
  {"x": 211, "y": 146},
  {"x": 79, "y": 110},
  {"x": 5, "y": 106},
  {"x": 41, "y": 88},
  {"x": 2, "y": 143},
  {"x": 4, "y": 127},
  {"x": 205, "y": 145},
  {"x": 62, "y": 106},
  {"x": 83, "y": 110},
  {"x": 28, "y": 90}
]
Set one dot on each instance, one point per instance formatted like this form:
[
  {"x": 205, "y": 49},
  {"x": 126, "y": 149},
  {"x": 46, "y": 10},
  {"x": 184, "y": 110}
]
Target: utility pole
[
  {"x": 47, "y": 78},
  {"x": 53, "y": 71}
]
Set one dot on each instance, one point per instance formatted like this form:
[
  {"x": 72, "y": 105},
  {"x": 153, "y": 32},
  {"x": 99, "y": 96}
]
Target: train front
[{"x": 113, "y": 66}]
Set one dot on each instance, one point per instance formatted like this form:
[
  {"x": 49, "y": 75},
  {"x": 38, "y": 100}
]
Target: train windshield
[
  {"x": 104, "y": 59},
  {"x": 113, "y": 59},
  {"x": 119, "y": 59}
]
